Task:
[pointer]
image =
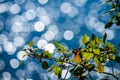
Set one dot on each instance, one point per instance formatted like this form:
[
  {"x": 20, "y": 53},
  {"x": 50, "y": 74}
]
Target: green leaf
[
  {"x": 47, "y": 55},
  {"x": 96, "y": 41},
  {"x": 104, "y": 38},
  {"x": 108, "y": 25},
  {"x": 50, "y": 69},
  {"x": 44, "y": 65},
  {"x": 87, "y": 56},
  {"x": 85, "y": 39},
  {"x": 94, "y": 37},
  {"x": 21, "y": 62},
  {"x": 96, "y": 59},
  {"x": 90, "y": 67},
  {"x": 111, "y": 56},
  {"x": 60, "y": 48},
  {"x": 57, "y": 44},
  {"x": 84, "y": 73},
  {"x": 106, "y": 2},
  {"x": 118, "y": 59},
  {"x": 31, "y": 44},
  {"x": 60, "y": 61},
  {"x": 96, "y": 51},
  {"x": 57, "y": 70},
  {"x": 100, "y": 68},
  {"x": 102, "y": 58},
  {"x": 119, "y": 45}
]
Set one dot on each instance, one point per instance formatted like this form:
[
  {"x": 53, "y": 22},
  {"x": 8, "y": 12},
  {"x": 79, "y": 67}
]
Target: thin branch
[
  {"x": 88, "y": 71},
  {"x": 109, "y": 74},
  {"x": 66, "y": 72},
  {"x": 112, "y": 67},
  {"x": 90, "y": 76}
]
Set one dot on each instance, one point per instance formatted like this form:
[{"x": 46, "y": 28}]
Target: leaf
[
  {"x": 108, "y": 25},
  {"x": 90, "y": 67},
  {"x": 118, "y": 59},
  {"x": 60, "y": 61},
  {"x": 87, "y": 56},
  {"x": 60, "y": 48},
  {"x": 106, "y": 2},
  {"x": 85, "y": 73},
  {"x": 102, "y": 58},
  {"x": 96, "y": 59},
  {"x": 31, "y": 44},
  {"x": 93, "y": 37},
  {"x": 100, "y": 68},
  {"x": 85, "y": 39},
  {"x": 96, "y": 51},
  {"x": 21, "y": 62},
  {"x": 104, "y": 38},
  {"x": 111, "y": 56},
  {"x": 119, "y": 45},
  {"x": 57, "y": 70},
  {"x": 50, "y": 69},
  {"x": 57, "y": 44},
  {"x": 44, "y": 65},
  {"x": 96, "y": 41},
  {"x": 47, "y": 55}
]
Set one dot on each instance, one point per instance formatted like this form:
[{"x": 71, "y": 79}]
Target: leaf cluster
[
  {"x": 99, "y": 51},
  {"x": 114, "y": 12}
]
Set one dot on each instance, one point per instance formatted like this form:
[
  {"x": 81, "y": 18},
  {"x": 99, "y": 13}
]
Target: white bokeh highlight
[
  {"x": 31, "y": 66},
  {"x": 20, "y": 73},
  {"x": 68, "y": 35},
  {"x": 15, "y": 8},
  {"x": 80, "y": 3},
  {"x": 41, "y": 43},
  {"x": 39, "y": 26},
  {"x": 99, "y": 27},
  {"x": 1, "y": 25},
  {"x": 4, "y": 7},
  {"x": 45, "y": 19},
  {"x": 10, "y": 48},
  {"x": 49, "y": 35},
  {"x": 17, "y": 27},
  {"x": 20, "y": 55},
  {"x": 40, "y": 11},
  {"x": 2, "y": 65},
  {"x": 43, "y": 1},
  {"x": 19, "y": 41},
  {"x": 3, "y": 38},
  {"x": 110, "y": 34},
  {"x": 14, "y": 63},
  {"x": 30, "y": 15},
  {"x": 50, "y": 47},
  {"x": 65, "y": 7},
  {"x": 6, "y": 76}
]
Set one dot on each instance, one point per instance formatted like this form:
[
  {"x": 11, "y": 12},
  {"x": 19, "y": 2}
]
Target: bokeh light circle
[
  {"x": 39, "y": 26},
  {"x": 68, "y": 35}
]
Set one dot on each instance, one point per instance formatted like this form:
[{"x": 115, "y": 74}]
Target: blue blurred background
[{"x": 42, "y": 21}]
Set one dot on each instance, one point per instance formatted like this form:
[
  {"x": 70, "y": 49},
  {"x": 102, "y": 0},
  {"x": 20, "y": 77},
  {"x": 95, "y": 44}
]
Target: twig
[
  {"x": 66, "y": 72},
  {"x": 109, "y": 74},
  {"x": 112, "y": 67},
  {"x": 90, "y": 76}
]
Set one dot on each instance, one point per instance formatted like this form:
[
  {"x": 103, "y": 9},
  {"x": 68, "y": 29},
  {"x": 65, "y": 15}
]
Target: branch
[
  {"x": 109, "y": 74},
  {"x": 112, "y": 67},
  {"x": 66, "y": 72},
  {"x": 90, "y": 76}
]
